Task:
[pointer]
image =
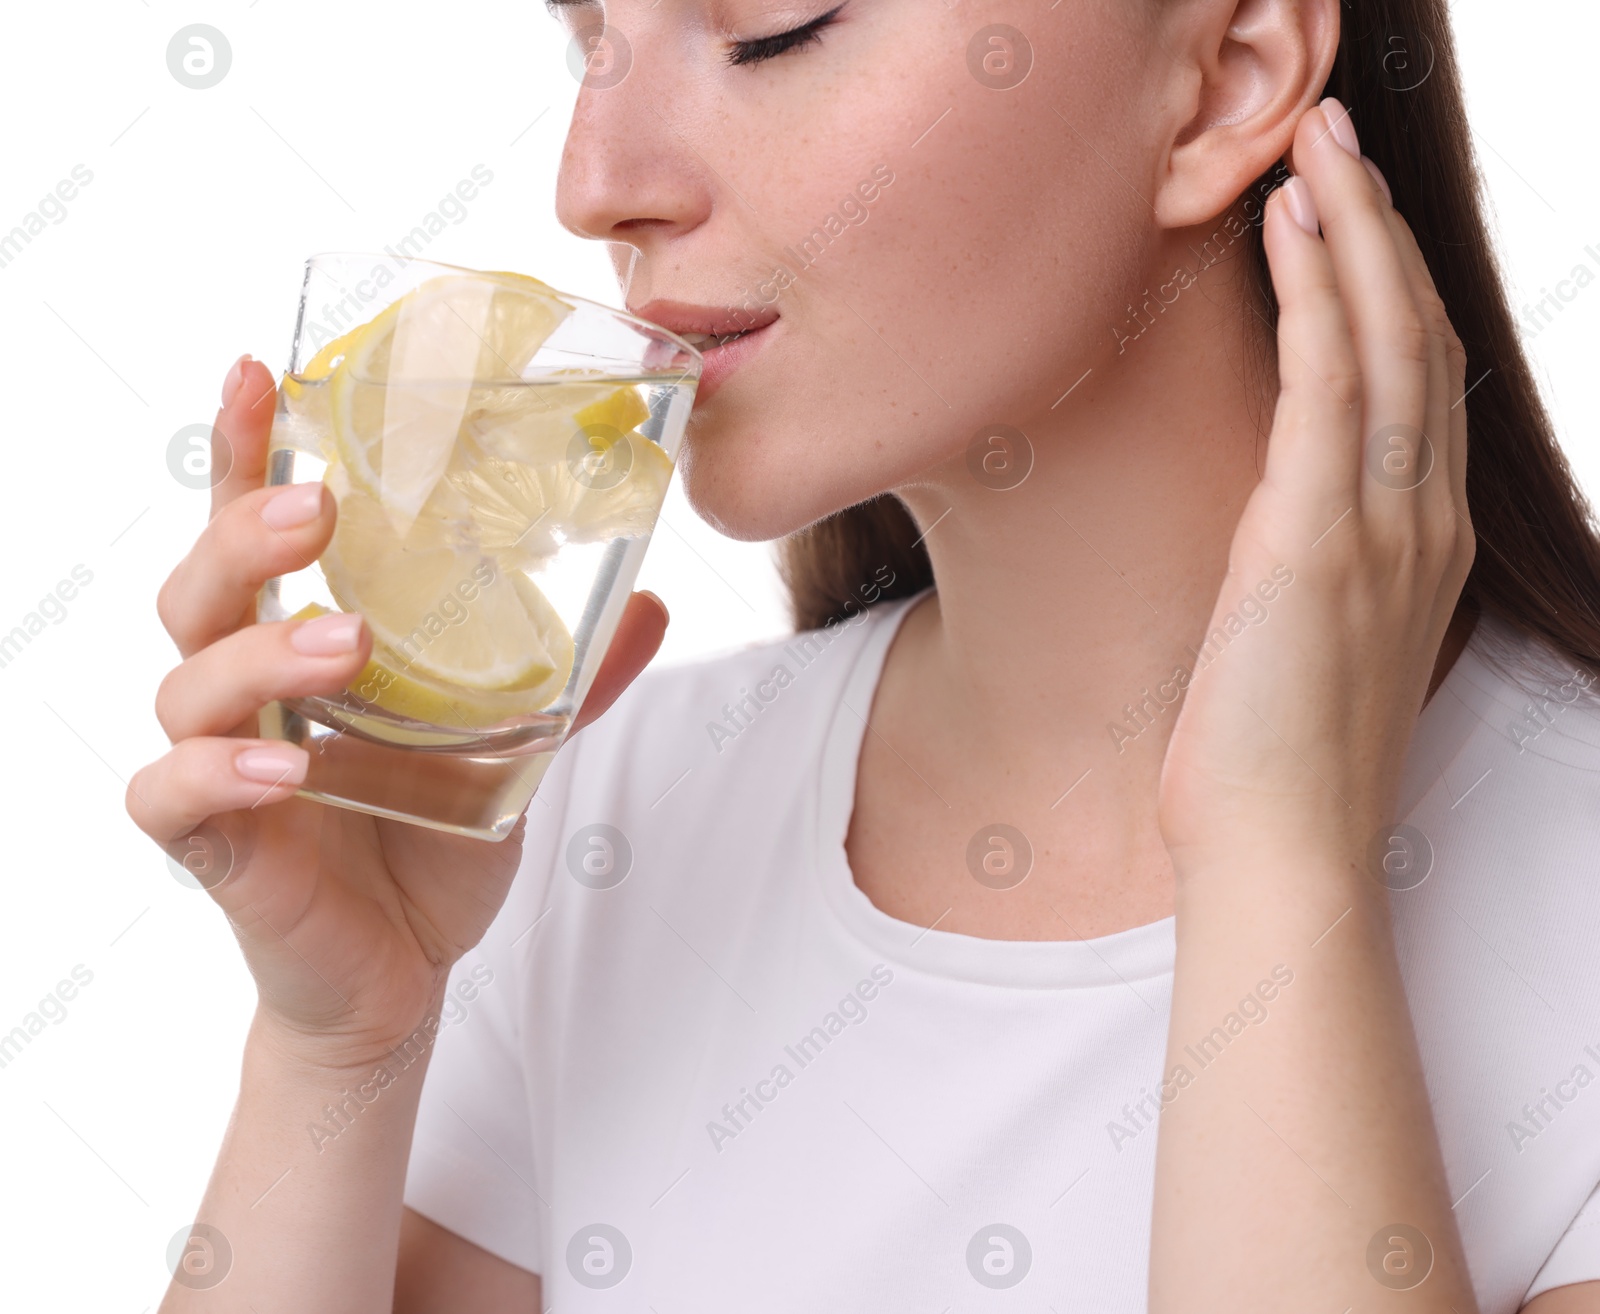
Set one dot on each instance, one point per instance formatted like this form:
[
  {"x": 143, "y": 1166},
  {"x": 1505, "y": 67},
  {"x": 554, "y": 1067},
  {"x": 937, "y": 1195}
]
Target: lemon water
[{"x": 489, "y": 530}]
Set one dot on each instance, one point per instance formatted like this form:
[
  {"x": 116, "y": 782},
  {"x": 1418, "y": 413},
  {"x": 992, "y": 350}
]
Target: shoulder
[
  {"x": 1503, "y": 787},
  {"x": 1493, "y": 859},
  {"x": 1539, "y": 704},
  {"x": 727, "y": 707},
  {"x": 1495, "y": 896}
]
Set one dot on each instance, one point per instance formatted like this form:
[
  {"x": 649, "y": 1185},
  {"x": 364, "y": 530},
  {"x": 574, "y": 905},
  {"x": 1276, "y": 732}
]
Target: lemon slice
[
  {"x": 619, "y": 489},
  {"x": 380, "y": 686},
  {"x": 622, "y": 410},
  {"x": 410, "y": 378},
  {"x": 459, "y": 639},
  {"x": 523, "y": 513},
  {"x": 537, "y": 424},
  {"x": 515, "y": 509}
]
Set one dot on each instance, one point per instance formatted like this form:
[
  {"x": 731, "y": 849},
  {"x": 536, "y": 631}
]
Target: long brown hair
[{"x": 1537, "y": 566}]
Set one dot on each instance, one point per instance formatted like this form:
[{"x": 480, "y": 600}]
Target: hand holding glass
[{"x": 499, "y": 452}]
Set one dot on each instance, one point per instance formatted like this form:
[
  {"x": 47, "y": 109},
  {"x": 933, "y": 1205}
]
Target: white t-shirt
[{"x": 692, "y": 1067}]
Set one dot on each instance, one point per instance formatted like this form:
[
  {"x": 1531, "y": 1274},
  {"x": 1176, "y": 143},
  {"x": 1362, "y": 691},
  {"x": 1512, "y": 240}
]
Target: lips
[
  {"x": 725, "y": 338},
  {"x": 702, "y": 325}
]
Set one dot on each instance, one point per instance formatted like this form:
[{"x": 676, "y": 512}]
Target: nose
[{"x": 627, "y": 175}]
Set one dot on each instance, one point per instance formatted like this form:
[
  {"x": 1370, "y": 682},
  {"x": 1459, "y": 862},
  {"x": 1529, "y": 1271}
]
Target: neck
[
  {"x": 1063, "y": 600},
  {"x": 1064, "y": 604},
  {"x": 1036, "y": 687}
]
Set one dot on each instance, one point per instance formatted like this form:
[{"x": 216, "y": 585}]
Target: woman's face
[{"x": 944, "y": 247}]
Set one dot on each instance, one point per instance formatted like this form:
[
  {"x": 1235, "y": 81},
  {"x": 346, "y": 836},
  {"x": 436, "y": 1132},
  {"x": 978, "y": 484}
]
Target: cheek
[
  {"x": 998, "y": 260},
  {"x": 986, "y": 278},
  {"x": 1005, "y": 249}
]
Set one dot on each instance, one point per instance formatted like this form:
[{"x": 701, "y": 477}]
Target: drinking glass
[{"x": 499, "y": 452}]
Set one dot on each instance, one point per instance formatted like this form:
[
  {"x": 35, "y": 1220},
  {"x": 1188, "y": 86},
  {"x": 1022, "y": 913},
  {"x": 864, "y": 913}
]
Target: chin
[{"x": 750, "y": 499}]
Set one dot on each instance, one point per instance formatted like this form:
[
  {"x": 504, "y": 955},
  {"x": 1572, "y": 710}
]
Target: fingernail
[
  {"x": 1344, "y": 131},
  {"x": 298, "y": 504},
  {"x": 1302, "y": 206},
  {"x": 1377, "y": 177},
  {"x": 230, "y": 385},
  {"x": 273, "y": 766},
  {"x": 327, "y": 636},
  {"x": 665, "y": 613}
]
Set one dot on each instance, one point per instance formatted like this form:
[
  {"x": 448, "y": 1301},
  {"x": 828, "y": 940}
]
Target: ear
[{"x": 1246, "y": 71}]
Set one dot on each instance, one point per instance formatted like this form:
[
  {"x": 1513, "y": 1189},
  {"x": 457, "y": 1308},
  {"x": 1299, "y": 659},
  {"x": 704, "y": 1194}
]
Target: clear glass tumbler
[{"x": 499, "y": 452}]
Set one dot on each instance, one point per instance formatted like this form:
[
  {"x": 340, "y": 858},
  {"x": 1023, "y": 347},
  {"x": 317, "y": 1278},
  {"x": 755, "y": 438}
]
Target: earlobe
[{"x": 1261, "y": 65}]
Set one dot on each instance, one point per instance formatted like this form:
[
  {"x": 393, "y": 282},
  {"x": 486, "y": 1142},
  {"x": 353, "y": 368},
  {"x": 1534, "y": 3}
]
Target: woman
[{"x": 853, "y": 971}]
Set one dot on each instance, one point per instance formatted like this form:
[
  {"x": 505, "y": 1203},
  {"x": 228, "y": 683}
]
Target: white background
[{"x": 339, "y": 126}]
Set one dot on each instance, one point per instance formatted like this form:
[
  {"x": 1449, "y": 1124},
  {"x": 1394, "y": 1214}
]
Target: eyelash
[{"x": 781, "y": 43}]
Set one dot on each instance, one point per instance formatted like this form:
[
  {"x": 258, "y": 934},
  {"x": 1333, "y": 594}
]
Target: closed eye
[{"x": 781, "y": 43}]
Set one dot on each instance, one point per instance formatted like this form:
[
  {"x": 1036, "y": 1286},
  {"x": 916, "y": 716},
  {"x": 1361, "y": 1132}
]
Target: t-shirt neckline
[{"x": 1123, "y": 959}]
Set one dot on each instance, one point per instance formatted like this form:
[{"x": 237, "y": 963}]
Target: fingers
[
  {"x": 1409, "y": 461},
  {"x": 243, "y": 425},
  {"x": 201, "y": 778},
  {"x": 226, "y": 683},
  {"x": 1394, "y": 341},
  {"x": 1317, "y": 426},
  {"x": 1451, "y": 436},
  {"x": 259, "y": 535},
  {"x": 638, "y": 636}
]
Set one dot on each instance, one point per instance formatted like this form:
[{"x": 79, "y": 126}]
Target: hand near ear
[
  {"x": 1363, "y": 500},
  {"x": 1282, "y": 775}
]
